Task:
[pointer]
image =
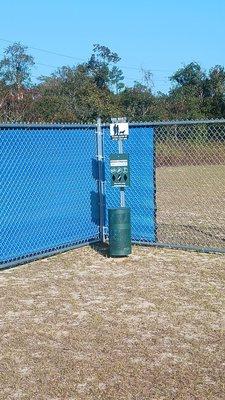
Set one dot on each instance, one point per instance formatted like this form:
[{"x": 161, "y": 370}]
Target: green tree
[
  {"x": 189, "y": 75},
  {"x": 100, "y": 68},
  {"x": 186, "y": 96},
  {"x": 15, "y": 67},
  {"x": 15, "y": 82},
  {"x": 72, "y": 95},
  {"x": 137, "y": 102},
  {"x": 215, "y": 92},
  {"x": 116, "y": 79}
]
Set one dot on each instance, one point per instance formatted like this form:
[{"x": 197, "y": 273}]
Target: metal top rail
[
  {"x": 179, "y": 122},
  {"x": 27, "y": 125}
]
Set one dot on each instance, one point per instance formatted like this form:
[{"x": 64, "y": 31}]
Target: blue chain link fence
[
  {"x": 140, "y": 196},
  {"x": 55, "y": 192},
  {"x": 49, "y": 190}
]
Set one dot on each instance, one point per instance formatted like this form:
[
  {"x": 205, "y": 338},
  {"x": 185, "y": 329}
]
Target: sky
[{"x": 156, "y": 35}]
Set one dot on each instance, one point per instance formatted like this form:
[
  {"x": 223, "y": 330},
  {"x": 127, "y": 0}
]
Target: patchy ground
[
  {"x": 82, "y": 326},
  {"x": 190, "y": 205}
]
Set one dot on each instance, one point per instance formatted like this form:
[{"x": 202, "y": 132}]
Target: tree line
[{"x": 94, "y": 88}]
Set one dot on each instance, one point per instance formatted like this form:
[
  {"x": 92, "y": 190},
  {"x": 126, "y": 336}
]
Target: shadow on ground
[{"x": 101, "y": 248}]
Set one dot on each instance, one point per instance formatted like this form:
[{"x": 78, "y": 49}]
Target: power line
[
  {"x": 80, "y": 59},
  {"x": 162, "y": 78},
  {"x": 127, "y": 78},
  {"x": 46, "y": 51}
]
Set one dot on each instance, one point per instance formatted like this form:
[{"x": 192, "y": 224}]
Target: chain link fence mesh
[
  {"x": 190, "y": 184},
  {"x": 49, "y": 178},
  {"x": 140, "y": 196},
  {"x": 49, "y": 190}
]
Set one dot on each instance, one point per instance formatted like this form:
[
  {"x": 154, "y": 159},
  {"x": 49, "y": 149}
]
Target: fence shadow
[{"x": 101, "y": 248}]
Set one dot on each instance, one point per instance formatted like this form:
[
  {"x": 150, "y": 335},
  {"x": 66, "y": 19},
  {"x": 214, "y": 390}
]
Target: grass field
[
  {"x": 191, "y": 205},
  {"x": 82, "y": 326}
]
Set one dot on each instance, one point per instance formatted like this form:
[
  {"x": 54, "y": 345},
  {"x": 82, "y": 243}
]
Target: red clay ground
[{"x": 83, "y": 326}]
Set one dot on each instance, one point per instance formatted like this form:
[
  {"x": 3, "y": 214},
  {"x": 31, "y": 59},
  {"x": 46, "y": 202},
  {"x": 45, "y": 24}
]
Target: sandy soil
[{"x": 82, "y": 326}]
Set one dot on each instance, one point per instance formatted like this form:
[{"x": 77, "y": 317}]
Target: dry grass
[
  {"x": 83, "y": 326},
  {"x": 190, "y": 205}
]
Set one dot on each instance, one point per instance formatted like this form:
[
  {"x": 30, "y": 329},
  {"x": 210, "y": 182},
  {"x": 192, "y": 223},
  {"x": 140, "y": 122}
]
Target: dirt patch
[{"x": 82, "y": 326}]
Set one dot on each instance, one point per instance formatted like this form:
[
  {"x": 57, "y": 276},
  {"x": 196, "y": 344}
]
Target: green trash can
[{"x": 119, "y": 232}]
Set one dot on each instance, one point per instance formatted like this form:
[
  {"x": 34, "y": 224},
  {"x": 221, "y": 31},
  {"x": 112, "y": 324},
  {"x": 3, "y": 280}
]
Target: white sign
[
  {"x": 119, "y": 163},
  {"x": 119, "y": 130}
]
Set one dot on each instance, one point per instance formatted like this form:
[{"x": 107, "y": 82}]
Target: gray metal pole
[
  {"x": 122, "y": 190},
  {"x": 122, "y": 197},
  {"x": 120, "y": 146},
  {"x": 101, "y": 187}
]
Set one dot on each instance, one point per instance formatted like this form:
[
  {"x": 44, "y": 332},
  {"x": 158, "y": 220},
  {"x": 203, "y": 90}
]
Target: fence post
[
  {"x": 101, "y": 184},
  {"x": 155, "y": 182}
]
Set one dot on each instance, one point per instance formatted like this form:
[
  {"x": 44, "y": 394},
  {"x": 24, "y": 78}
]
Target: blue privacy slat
[
  {"x": 48, "y": 190},
  {"x": 140, "y": 196}
]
